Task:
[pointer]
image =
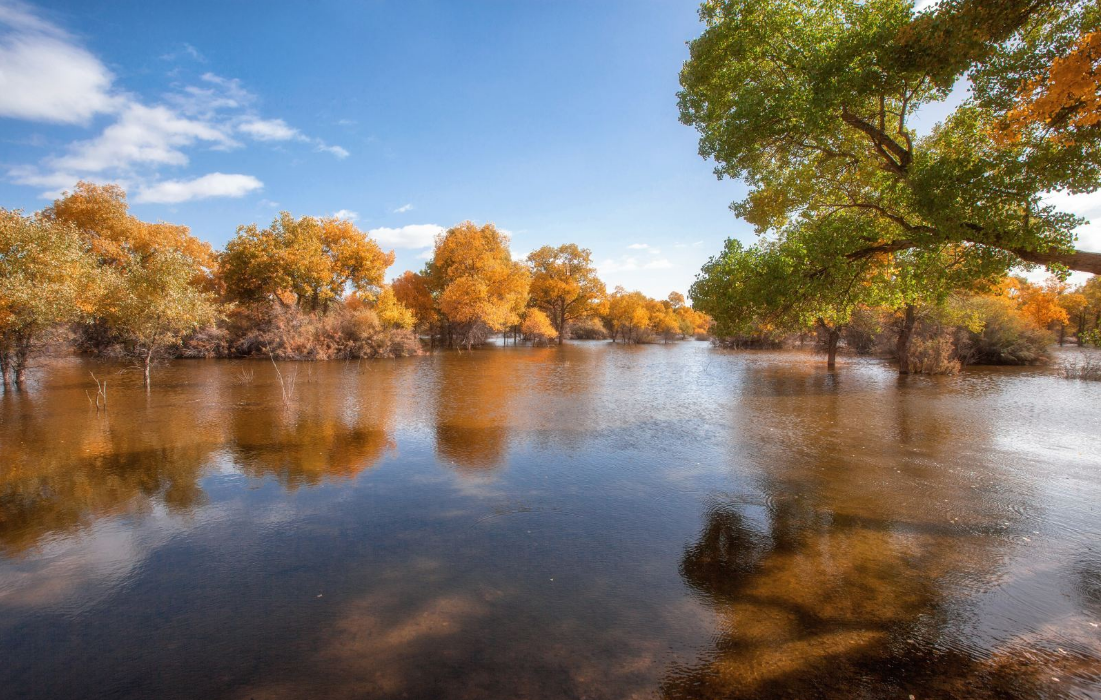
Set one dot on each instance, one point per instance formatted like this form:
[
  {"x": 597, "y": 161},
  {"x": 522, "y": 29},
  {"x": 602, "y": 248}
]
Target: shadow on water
[{"x": 853, "y": 575}]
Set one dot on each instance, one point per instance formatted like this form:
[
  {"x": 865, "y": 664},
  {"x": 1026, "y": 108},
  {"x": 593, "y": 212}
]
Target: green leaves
[{"x": 811, "y": 103}]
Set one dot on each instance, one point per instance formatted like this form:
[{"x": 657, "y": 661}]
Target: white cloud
[
  {"x": 403, "y": 208},
  {"x": 269, "y": 130},
  {"x": 346, "y": 214},
  {"x": 623, "y": 264},
  {"x": 335, "y": 150},
  {"x": 638, "y": 246},
  {"x": 185, "y": 50},
  {"x": 57, "y": 182},
  {"x": 212, "y": 185},
  {"x": 268, "y": 204},
  {"x": 142, "y": 136},
  {"x": 412, "y": 236},
  {"x": 44, "y": 76},
  {"x": 426, "y": 254},
  {"x": 628, "y": 263}
]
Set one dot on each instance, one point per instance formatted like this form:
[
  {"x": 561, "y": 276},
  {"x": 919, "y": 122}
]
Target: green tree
[
  {"x": 564, "y": 285},
  {"x": 812, "y": 103},
  {"x": 153, "y": 304},
  {"x": 48, "y": 277}
]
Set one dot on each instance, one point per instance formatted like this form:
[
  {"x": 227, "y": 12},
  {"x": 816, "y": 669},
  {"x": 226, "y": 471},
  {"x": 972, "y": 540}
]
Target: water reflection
[
  {"x": 64, "y": 467},
  {"x": 473, "y": 409},
  {"x": 853, "y": 573},
  {"x": 670, "y": 521},
  {"x": 337, "y": 425}
]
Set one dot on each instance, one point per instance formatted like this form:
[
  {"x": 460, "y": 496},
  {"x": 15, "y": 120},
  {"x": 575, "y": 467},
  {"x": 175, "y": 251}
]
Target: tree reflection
[
  {"x": 64, "y": 468},
  {"x": 840, "y": 576},
  {"x": 475, "y": 392},
  {"x": 338, "y": 425}
]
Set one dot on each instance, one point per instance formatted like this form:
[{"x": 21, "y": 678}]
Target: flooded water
[{"x": 593, "y": 521}]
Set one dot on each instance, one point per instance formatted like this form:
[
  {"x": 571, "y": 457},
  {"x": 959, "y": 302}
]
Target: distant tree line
[{"x": 86, "y": 271}]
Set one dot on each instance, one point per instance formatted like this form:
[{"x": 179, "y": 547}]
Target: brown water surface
[{"x": 592, "y": 521}]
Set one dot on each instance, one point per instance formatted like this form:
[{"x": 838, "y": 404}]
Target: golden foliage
[
  {"x": 308, "y": 261},
  {"x": 391, "y": 312},
  {"x": 47, "y": 277},
  {"x": 537, "y": 327},
  {"x": 1065, "y": 99},
  {"x": 411, "y": 289},
  {"x": 477, "y": 281},
  {"x": 564, "y": 284},
  {"x": 101, "y": 214}
]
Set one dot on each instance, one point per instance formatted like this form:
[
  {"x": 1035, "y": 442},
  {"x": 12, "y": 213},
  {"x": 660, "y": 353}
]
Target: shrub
[
  {"x": 346, "y": 331},
  {"x": 1084, "y": 367},
  {"x": 997, "y": 335},
  {"x": 588, "y": 329},
  {"x": 863, "y": 331},
  {"x": 537, "y": 328},
  {"x": 934, "y": 354}
]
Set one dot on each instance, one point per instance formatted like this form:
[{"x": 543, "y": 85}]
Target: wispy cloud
[
  {"x": 337, "y": 151},
  {"x": 185, "y": 51},
  {"x": 212, "y": 185},
  {"x": 403, "y": 208},
  {"x": 346, "y": 214},
  {"x": 268, "y": 130},
  {"x": 47, "y": 76},
  {"x": 627, "y": 263}
]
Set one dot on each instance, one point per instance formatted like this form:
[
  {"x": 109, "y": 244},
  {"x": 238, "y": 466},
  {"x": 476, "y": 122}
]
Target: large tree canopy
[{"x": 812, "y": 104}]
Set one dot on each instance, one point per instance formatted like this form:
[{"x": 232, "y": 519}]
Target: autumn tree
[
  {"x": 477, "y": 286},
  {"x": 564, "y": 285},
  {"x": 663, "y": 319},
  {"x": 101, "y": 214},
  {"x": 153, "y": 304},
  {"x": 308, "y": 261},
  {"x": 48, "y": 277},
  {"x": 628, "y": 316},
  {"x": 391, "y": 312},
  {"x": 537, "y": 328},
  {"x": 1040, "y": 302},
  {"x": 411, "y": 289},
  {"x": 811, "y": 103},
  {"x": 1064, "y": 99}
]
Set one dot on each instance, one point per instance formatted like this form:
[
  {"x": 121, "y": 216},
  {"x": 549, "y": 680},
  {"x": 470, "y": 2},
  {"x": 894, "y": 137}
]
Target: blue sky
[{"x": 555, "y": 120}]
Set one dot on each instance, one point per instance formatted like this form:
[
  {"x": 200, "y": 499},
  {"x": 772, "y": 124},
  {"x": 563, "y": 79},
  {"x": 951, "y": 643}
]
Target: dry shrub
[
  {"x": 935, "y": 354},
  {"x": 290, "y": 333},
  {"x": 1083, "y": 367},
  {"x": 587, "y": 329}
]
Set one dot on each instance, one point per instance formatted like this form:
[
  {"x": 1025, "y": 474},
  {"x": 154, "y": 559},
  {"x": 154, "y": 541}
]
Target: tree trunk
[
  {"x": 21, "y": 354},
  {"x": 905, "y": 336},
  {"x": 148, "y": 362},
  {"x": 1062, "y": 334},
  {"x": 4, "y": 368},
  {"x": 831, "y": 348}
]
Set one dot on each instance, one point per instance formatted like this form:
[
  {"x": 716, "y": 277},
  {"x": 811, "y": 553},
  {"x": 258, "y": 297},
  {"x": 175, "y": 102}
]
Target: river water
[{"x": 592, "y": 521}]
